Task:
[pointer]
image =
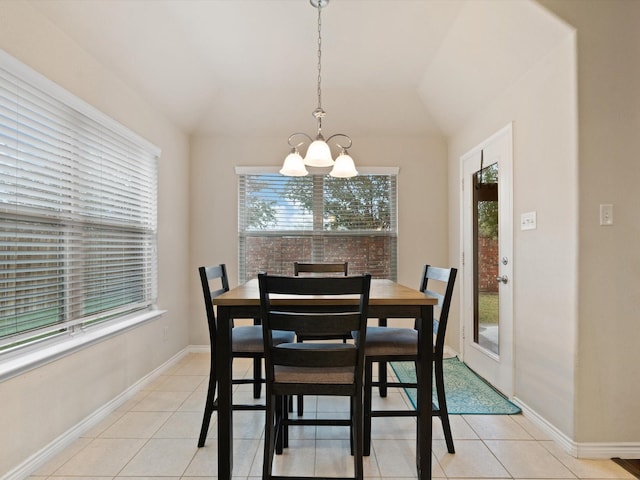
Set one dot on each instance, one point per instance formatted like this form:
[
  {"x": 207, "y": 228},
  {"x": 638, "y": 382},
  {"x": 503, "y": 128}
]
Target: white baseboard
[
  {"x": 560, "y": 438},
  {"x": 592, "y": 450},
  {"x": 40, "y": 458},
  {"x": 608, "y": 450},
  {"x": 198, "y": 349}
]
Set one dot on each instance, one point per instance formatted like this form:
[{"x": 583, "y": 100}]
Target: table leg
[
  {"x": 225, "y": 410},
  {"x": 424, "y": 374},
  {"x": 382, "y": 367}
]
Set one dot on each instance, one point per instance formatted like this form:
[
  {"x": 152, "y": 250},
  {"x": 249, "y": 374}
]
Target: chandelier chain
[
  {"x": 319, "y": 57},
  {"x": 319, "y": 109}
]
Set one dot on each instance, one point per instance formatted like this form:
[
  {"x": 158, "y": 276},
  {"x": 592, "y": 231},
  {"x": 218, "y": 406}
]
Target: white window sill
[{"x": 24, "y": 359}]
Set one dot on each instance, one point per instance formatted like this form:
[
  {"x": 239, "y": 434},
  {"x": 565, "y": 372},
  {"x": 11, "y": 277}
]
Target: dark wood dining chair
[
  {"x": 385, "y": 344},
  {"x": 314, "y": 368},
  {"x": 246, "y": 342},
  {"x": 316, "y": 269}
]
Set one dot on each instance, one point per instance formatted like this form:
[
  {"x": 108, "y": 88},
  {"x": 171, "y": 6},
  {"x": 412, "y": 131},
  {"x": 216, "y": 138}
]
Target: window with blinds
[
  {"x": 317, "y": 218},
  {"x": 77, "y": 212}
]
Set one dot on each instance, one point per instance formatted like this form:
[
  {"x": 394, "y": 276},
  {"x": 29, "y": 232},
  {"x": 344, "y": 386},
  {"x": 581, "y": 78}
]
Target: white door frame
[{"x": 497, "y": 369}]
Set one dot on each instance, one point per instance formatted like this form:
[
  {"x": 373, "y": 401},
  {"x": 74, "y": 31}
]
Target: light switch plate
[
  {"x": 606, "y": 214},
  {"x": 528, "y": 221}
]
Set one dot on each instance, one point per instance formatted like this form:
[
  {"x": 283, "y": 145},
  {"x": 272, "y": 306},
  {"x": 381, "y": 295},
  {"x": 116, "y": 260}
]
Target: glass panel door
[
  {"x": 487, "y": 245},
  {"x": 486, "y": 322}
]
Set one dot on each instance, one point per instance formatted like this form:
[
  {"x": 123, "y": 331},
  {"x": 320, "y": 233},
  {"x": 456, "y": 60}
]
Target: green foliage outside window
[
  {"x": 488, "y": 211},
  {"x": 359, "y": 203}
]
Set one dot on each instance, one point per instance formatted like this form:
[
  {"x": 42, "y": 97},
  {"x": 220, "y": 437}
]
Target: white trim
[
  {"x": 556, "y": 435},
  {"x": 200, "y": 349},
  {"x": 591, "y": 450},
  {"x": 257, "y": 170},
  {"x": 41, "y": 457},
  {"x": 27, "y": 358},
  {"x": 608, "y": 450}
]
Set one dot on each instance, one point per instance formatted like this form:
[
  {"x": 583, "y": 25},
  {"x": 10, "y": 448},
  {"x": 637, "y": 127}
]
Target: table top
[{"x": 383, "y": 292}]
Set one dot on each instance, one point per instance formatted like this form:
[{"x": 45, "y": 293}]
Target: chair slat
[
  {"x": 305, "y": 323},
  {"x": 300, "y": 267},
  {"x": 317, "y": 357}
]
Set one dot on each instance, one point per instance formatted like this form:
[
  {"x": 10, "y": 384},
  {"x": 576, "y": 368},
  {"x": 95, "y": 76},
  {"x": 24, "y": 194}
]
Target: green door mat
[{"x": 466, "y": 392}]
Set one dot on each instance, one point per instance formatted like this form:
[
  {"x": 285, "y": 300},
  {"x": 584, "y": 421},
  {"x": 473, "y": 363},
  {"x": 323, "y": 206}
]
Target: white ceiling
[{"x": 233, "y": 66}]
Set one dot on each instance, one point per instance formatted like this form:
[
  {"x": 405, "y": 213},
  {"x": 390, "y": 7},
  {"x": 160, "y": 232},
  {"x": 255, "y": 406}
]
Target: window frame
[
  {"x": 318, "y": 223},
  {"x": 74, "y": 333}
]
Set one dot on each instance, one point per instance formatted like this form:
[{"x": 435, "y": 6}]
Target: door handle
[{"x": 502, "y": 278}]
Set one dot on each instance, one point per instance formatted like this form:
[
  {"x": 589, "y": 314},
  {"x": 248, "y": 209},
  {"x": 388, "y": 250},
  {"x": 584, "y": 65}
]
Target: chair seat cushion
[
  {"x": 249, "y": 339},
  {"x": 391, "y": 341}
]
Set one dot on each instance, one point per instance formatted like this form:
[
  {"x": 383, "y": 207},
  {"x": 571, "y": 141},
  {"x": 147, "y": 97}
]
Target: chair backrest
[
  {"x": 214, "y": 282},
  {"x": 447, "y": 278},
  {"x": 339, "y": 267},
  {"x": 337, "y": 317}
]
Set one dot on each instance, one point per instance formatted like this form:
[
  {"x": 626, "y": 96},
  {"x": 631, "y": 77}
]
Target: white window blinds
[
  {"x": 77, "y": 212},
  {"x": 317, "y": 218}
]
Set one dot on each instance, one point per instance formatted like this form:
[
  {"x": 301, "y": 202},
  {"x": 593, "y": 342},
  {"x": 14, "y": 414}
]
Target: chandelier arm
[
  {"x": 291, "y": 137},
  {"x": 344, "y": 136}
]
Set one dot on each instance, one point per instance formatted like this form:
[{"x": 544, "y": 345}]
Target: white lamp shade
[
  {"x": 344, "y": 167},
  {"x": 318, "y": 154},
  {"x": 293, "y": 166}
]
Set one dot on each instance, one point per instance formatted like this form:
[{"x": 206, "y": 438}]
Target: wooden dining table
[{"x": 387, "y": 299}]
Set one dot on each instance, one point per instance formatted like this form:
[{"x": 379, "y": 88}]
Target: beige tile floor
[{"x": 155, "y": 434}]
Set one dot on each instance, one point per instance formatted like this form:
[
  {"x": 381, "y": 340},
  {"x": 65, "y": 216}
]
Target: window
[
  {"x": 77, "y": 212},
  {"x": 317, "y": 218}
]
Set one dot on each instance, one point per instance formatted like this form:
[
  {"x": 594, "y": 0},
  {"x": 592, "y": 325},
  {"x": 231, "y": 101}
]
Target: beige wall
[
  {"x": 576, "y": 140},
  {"x": 608, "y": 355},
  {"x": 542, "y": 107},
  {"x": 422, "y": 193},
  {"x": 39, "y": 406}
]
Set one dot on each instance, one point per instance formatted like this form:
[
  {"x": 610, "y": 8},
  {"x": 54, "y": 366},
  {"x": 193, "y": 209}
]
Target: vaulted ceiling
[{"x": 388, "y": 66}]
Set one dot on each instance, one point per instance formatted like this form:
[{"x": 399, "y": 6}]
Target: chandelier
[{"x": 318, "y": 153}]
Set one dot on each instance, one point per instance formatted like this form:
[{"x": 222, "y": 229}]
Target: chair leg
[
  {"x": 300, "y": 397},
  {"x": 420, "y": 390},
  {"x": 285, "y": 416},
  {"x": 382, "y": 367},
  {"x": 442, "y": 404},
  {"x": 382, "y": 378},
  {"x": 368, "y": 387},
  {"x": 279, "y": 425},
  {"x": 208, "y": 408},
  {"x": 257, "y": 369},
  {"x": 357, "y": 420},
  {"x": 352, "y": 428},
  {"x": 257, "y": 377},
  {"x": 269, "y": 437}
]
